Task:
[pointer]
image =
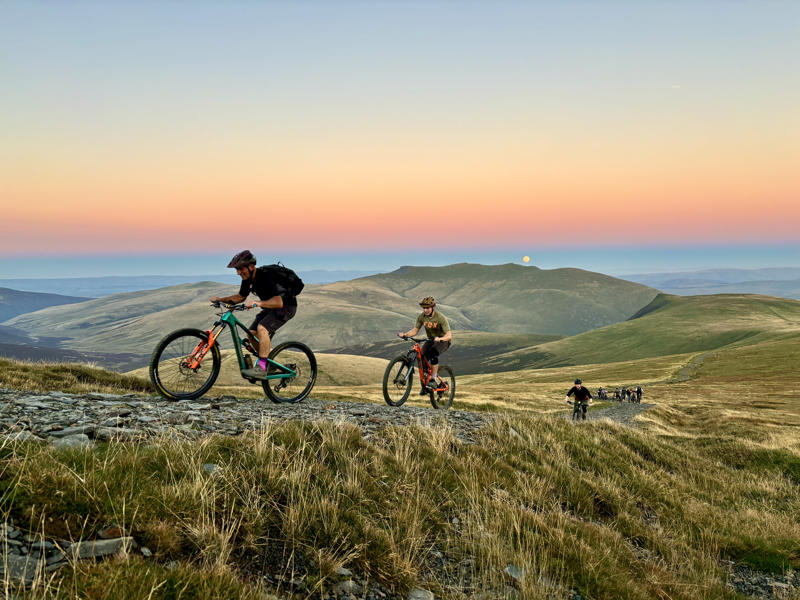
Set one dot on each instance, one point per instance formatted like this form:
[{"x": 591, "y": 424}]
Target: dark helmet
[
  {"x": 577, "y": 381},
  {"x": 427, "y": 302},
  {"x": 244, "y": 258}
]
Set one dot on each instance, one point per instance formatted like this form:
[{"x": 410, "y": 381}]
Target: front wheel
[
  {"x": 291, "y": 357},
  {"x": 397, "y": 381},
  {"x": 443, "y": 396},
  {"x": 182, "y": 366}
]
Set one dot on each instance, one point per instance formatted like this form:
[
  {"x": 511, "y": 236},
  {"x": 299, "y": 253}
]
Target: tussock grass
[
  {"x": 601, "y": 509},
  {"x": 67, "y": 377}
]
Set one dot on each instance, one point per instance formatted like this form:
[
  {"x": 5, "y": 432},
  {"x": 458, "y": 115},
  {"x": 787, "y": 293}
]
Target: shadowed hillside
[
  {"x": 503, "y": 298},
  {"x": 15, "y": 302}
]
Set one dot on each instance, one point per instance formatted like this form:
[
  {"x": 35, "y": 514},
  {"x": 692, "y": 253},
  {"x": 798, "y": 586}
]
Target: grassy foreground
[{"x": 603, "y": 510}]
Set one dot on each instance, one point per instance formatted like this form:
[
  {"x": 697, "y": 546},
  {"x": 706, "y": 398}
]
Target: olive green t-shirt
[{"x": 435, "y": 326}]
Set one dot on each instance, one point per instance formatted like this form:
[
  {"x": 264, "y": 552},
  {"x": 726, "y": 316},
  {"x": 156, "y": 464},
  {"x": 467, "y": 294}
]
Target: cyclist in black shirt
[
  {"x": 277, "y": 306},
  {"x": 583, "y": 398}
]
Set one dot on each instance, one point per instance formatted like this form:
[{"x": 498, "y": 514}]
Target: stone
[
  {"x": 347, "y": 587},
  {"x": 80, "y": 440},
  {"x": 420, "y": 594},
  {"x": 22, "y": 436},
  {"x": 68, "y": 431},
  {"x": 341, "y": 571},
  {"x": 19, "y": 568},
  {"x": 98, "y": 548},
  {"x": 111, "y": 532}
]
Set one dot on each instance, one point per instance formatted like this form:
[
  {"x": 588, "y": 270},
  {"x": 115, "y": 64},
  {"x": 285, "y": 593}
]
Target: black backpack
[{"x": 286, "y": 279}]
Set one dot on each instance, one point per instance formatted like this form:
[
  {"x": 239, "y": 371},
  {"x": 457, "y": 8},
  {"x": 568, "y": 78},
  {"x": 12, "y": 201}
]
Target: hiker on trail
[
  {"x": 617, "y": 395},
  {"x": 638, "y": 393},
  {"x": 583, "y": 398}
]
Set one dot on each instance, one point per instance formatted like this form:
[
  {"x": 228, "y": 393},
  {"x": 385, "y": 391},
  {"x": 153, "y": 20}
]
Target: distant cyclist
[
  {"x": 277, "y": 306},
  {"x": 638, "y": 393},
  {"x": 583, "y": 398},
  {"x": 437, "y": 327}
]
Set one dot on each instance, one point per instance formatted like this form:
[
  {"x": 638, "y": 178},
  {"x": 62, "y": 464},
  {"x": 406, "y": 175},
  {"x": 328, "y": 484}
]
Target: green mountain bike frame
[{"x": 228, "y": 319}]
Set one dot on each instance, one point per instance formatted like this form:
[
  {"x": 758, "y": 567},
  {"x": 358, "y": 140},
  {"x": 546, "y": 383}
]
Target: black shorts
[
  {"x": 273, "y": 318},
  {"x": 431, "y": 350}
]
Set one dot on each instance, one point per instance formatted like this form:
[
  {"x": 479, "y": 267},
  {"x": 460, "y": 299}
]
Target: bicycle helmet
[
  {"x": 427, "y": 302},
  {"x": 578, "y": 381},
  {"x": 242, "y": 259}
]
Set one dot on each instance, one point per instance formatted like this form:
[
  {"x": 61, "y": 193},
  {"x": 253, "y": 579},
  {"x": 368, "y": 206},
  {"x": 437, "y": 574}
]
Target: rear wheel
[
  {"x": 397, "y": 381},
  {"x": 444, "y": 397},
  {"x": 173, "y": 368},
  {"x": 297, "y": 358}
]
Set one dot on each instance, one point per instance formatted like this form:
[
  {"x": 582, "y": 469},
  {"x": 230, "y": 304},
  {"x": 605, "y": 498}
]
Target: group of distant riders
[{"x": 278, "y": 306}]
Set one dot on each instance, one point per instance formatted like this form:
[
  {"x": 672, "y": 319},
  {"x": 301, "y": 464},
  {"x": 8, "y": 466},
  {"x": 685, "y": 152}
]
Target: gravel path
[
  {"x": 620, "y": 412},
  {"x": 80, "y": 419}
]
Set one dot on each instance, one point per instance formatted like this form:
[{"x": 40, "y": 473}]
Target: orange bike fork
[{"x": 199, "y": 353}]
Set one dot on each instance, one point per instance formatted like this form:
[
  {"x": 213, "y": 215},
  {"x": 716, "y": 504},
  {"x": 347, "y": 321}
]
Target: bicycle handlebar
[
  {"x": 418, "y": 340},
  {"x": 232, "y": 307}
]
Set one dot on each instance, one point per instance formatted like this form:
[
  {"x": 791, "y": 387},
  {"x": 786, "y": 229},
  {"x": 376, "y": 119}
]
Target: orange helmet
[{"x": 427, "y": 302}]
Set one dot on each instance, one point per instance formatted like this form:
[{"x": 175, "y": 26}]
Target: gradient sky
[{"x": 178, "y": 127}]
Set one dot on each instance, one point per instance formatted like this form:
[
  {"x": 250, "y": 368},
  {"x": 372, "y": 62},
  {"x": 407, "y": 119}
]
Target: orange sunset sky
[{"x": 175, "y": 127}]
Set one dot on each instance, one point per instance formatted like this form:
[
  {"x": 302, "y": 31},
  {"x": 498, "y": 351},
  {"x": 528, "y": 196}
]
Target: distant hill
[
  {"x": 97, "y": 287},
  {"x": 780, "y": 282},
  {"x": 15, "y": 302},
  {"x": 37, "y": 353},
  {"x": 670, "y": 325},
  {"x": 11, "y": 335},
  {"x": 504, "y": 298}
]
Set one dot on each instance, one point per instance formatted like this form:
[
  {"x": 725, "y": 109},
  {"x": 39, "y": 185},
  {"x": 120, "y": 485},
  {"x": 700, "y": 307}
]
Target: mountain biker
[
  {"x": 437, "y": 327},
  {"x": 583, "y": 398},
  {"x": 638, "y": 393},
  {"x": 277, "y": 306}
]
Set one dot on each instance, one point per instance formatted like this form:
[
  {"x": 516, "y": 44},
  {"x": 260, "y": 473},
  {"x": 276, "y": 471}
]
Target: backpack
[{"x": 286, "y": 279}]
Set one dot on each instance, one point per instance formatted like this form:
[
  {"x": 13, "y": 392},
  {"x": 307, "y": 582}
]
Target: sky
[{"x": 344, "y": 135}]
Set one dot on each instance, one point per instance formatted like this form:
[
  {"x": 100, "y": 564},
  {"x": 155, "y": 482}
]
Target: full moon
[{"x": 526, "y": 259}]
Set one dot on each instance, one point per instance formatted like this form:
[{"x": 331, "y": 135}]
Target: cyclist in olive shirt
[
  {"x": 439, "y": 336},
  {"x": 583, "y": 397}
]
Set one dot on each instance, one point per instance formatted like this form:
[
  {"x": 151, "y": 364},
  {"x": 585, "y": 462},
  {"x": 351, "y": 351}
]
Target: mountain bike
[
  {"x": 186, "y": 363},
  {"x": 399, "y": 377}
]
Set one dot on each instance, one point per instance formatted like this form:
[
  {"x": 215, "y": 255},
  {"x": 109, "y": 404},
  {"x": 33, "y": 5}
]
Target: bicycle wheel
[
  {"x": 397, "y": 381},
  {"x": 300, "y": 359},
  {"x": 444, "y": 399},
  {"x": 170, "y": 372}
]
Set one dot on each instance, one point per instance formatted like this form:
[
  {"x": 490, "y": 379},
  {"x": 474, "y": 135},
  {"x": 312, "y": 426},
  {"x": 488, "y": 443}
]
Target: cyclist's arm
[
  {"x": 235, "y": 299},
  {"x": 445, "y": 338},
  {"x": 274, "y": 302},
  {"x": 409, "y": 333}
]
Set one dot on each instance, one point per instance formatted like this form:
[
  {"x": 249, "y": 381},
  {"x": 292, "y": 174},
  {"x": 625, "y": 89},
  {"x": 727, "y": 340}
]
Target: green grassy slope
[{"x": 670, "y": 325}]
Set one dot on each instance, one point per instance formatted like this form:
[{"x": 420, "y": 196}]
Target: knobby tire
[
  {"x": 169, "y": 373},
  {"x": 297, "y": 357},
  {"x": 395, "y": 392}
]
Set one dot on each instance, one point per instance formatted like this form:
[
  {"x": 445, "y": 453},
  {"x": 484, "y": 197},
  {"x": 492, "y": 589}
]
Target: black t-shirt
[
  {"x": 583, "y": 394},
  {"x": 265, "y": 288}
]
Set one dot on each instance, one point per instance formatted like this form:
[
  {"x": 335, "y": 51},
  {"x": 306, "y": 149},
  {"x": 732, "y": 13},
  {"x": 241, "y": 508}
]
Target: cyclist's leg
[
  {"x": 432, "y": 354},
  {"x": 265, "y": 325},
  {"x": 584, "y": 408}
]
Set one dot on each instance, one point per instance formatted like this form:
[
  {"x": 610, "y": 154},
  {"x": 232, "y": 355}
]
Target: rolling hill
[
  {"x": 669, "y": 325},
  {"x": 15, "y": 302},
  {"x": 503, "y": 298}
]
